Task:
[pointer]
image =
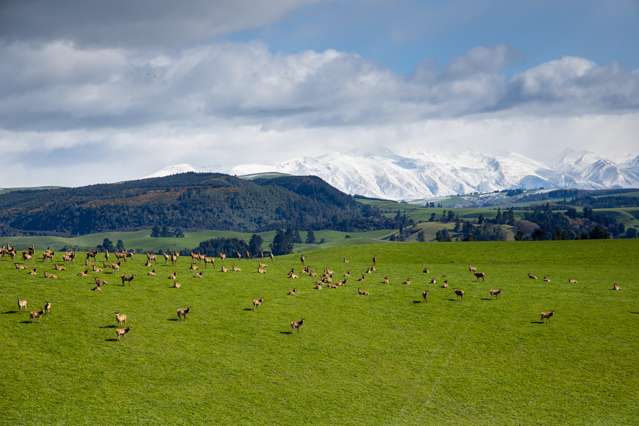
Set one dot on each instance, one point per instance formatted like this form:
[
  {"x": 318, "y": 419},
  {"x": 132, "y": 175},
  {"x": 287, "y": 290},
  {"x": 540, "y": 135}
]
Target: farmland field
[{"x": 385, "y": 358}]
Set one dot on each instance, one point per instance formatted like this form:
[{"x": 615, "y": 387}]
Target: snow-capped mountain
[
  {"x": 175, "y": 169},
  {"x": 421, "y": 175}
]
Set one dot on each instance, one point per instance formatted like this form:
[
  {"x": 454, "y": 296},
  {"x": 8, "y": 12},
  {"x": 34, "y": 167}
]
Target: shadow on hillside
[
  {"x": 26, "y": 322},
  {"x": 172, "y": 319},
  {"x": 633, "y": 312},
  {"x": 286, "y": 332},
  {"x": 454, "y": 300},
  {"x": 111, "y": 339},
  {"x": 417, "y": 301},
  {"x": 9, "y": 312},
  {"x": 536, "y": 322},
  {"x": 108, "y": 326},
  {"x": 248, "y": 309},
  {"x": 487, "y": 298}
]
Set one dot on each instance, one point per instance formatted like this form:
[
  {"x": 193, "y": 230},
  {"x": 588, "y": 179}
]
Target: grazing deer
[
  {"x": 173, "y": 276},
  {"x": 34, "y": 315},
  {"x": 151, "y": 273},
  {"x": 546, "y": 279},
  {"x": 33, "y": 272},
  {"x": 546, "y": 315},
  {"x": 84, "y": 273},
  {"x": 532, "y": 276},
  {"x": 20, "y": 266},
  {"x": 183, "y": 312},
  {"x": 616, "y": 287},
  {"x": 426, "y": 270},
  {"x": 198, "y": 275},
  {"x": 193, "y": 267},
  {"x": 407, "y": 281},
  {"x": 237, "y": 269},
  {"x": 257, "y": 303},
  {"x": 425, "y": 295},
  {"x": 480, "y": 276},
  {"x": 47, "y": 307},
  {"x": 120, "y": 318},
  {"x": 59, "y": 268},
  {"x": 495, "y": 292},
  {"x": 292, "y": 275},
  {"x": 208, "y": 260},
  {"x": 460, "y": 294},
  {"x": 386, "y": 280},
  {"x": 224, "y": 269},
  {"x": 362, "y": 292},
  {"x": 318, "y": 286},
  {"x": 176, "y": 285},
  {"x": 121, "y": 332},
  {"x": 472, "y": 268},
  {"x": 127, "y": 278},
  {"x": 572, "y": 281},
  {"x": 150, "y": 257},
  {"x": 22, "y": 304},
  {"x": 433, "y": 280},
  {"x": 26, "y": 256},
  {"x": 50, "y": 276},
  {"x": 445, "y": 284},
  {"x": 297, "y": 325},
  {"x": 292, "y": 292}
]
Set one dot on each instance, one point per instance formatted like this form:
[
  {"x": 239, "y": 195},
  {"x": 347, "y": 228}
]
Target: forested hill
[{"x": 188, "y": 201}]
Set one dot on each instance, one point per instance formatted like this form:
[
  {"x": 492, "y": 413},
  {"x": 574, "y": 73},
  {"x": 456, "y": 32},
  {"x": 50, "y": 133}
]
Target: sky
[{"x": 94, "y": 91}]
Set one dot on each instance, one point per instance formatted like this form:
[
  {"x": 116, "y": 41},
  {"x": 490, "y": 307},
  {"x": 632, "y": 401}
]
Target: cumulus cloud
[{"x": 62, "y": 86}]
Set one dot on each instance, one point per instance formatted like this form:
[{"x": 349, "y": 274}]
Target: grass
[
  {"x": 382, "y": 359},
  {"x": 141, "y": 240}
]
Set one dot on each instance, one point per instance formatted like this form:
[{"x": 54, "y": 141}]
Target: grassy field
[
  {"x": 141, "y": 240},
  {"x": 381, "y": 359}
]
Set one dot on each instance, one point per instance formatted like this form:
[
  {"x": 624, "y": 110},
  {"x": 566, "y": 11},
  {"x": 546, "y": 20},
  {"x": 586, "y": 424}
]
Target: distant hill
[{"x": 188, "y": 201}]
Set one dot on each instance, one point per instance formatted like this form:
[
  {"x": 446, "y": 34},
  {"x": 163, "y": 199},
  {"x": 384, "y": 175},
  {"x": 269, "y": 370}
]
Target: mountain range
[{"x": 419, "y": 175}]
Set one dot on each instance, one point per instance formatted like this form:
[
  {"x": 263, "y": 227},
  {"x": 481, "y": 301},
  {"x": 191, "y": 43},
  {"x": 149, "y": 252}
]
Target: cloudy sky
[{"x": 97, "y": 91}]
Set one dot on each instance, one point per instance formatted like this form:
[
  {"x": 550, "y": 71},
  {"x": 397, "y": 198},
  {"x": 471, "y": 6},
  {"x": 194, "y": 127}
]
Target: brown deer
[
  {"x": 472, "y": 268},
  {"x": 183, "y": 312},
  {"x": 532, "y": 276},
  {"x": 173, "y": 276},
  {"x": 84, "y": 273},
  {"x": 120, "y": 318},
  {"x": 460, "y": 294},
  {"x": 176, "y": 285},
  {"x": 198, "y": 275},
  {"x": 50, "y": 276},
  {"x": 445, "y": 284},
  {"x": 572, "y": 281},
  {"x": 425, "y": 295},
  {"x": 33, "y": 272},
  {"x": 20, "y": 266},
  {"x": 480, "y": 276},
  {"x": 121, "y": 332},
  {"x": 257, "y": 303},
  {"x": 495, "y": 292},
  {"x": 386, "y": 280},
  {"x": 34, "y": 315},
  {"x": 433, "y": 280},
  {"x": 47, "y": 307},
  {"x": 546, "y": 279},
  {"x": 362, "y": 292},
  {"x": 224, "y": 269},
  {"x": 292, "y": 292},
  {"x": 297, "y": 325},
  {"x": 59, "y": 268},
  {"x": 407, "y": 281},
  {"x": 22, "y": 304},
  {"x": 127, "y": 278},
  {"x": 546, "y": 315},
  {"x": 616, "y": 287},
  {"x": 237, "y": 269},
  {"x": 318, "y": 286},
  {"x": 151, "y": 273},
  {"x": 426, "y": 270}
]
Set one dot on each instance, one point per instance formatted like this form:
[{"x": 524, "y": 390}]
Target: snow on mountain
[
  {"x": 419, "y": 175},
  {"x": 175, "y": 169}
]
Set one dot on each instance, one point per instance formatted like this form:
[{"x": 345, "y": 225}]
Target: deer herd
[{"x": 324, "y": 279}]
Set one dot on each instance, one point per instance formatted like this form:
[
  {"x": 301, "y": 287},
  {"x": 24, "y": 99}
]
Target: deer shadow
[
  {"x": 537, "y": 322},
  {"x": 9, "y": 312},
  {"x": 417, "y": 302},
  {"x": 286, "y": 332},
  {"x": 26, "y": 322},
  {"x": 633, "y": 312},
  {"x": 172, "y": 319},
  {"x": 111, "y": 339},
  {"x": 248, "y": 309},
  {"x": 108, "y": 326},
  {"x": 487, "y": 298}
]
